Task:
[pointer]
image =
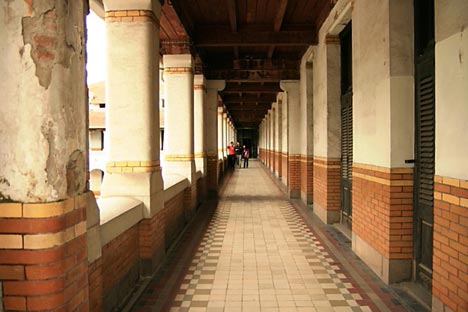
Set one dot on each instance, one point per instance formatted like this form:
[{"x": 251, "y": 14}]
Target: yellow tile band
[
  {"x": 179, "y": 157},
  {"x": 133, "y": 166},
  {"x": 177, "y": 70},
  {"x": 131, "y": 16},
  {"x": 383, "y": 181}
]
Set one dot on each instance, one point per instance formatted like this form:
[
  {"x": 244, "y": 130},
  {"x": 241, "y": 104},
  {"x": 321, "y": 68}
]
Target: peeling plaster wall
[
  {"x": 451, "y": 64},
  {"x": 43, "y": 106},
  {"x": 383, "y": 98},
  {"x": 326, "y": 110},
  {"x": 306, "y": 94}
]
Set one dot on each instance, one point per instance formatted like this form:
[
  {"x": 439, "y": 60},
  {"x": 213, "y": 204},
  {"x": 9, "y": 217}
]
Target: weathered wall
[
  {"x": 450, "y": 261},
  {"x": 451, "y": 52},
  {"x": 382, "y": 83},
  {"x": 43, "y": 115}
]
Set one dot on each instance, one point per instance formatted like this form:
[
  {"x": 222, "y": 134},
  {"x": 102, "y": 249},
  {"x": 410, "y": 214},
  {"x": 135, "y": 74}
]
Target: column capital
[
  {"x": 218, "y": 85},
  {"x": 177, "y": 61},
  {"x": 289, "y": 85},
  {"x": 199, "y": 82},
  {"x": 125, "y": 5}
]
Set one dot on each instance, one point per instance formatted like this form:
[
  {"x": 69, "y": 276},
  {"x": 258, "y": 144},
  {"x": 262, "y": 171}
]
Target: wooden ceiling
[{"x": 252, "y": 44}]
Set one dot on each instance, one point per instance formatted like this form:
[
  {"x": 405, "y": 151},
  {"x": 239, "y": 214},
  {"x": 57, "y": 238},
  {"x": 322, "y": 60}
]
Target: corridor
[{"x": 258, "y": 253}]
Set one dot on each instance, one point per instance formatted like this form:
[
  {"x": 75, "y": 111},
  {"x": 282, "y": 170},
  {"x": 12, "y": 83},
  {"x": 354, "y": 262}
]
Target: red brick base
[
  {"x": 120, "y": 268},
  {"x": 326, "y": 181},
  {"x": 450, "y": 258},
  {"x": 212, "y": 173},
  {"x": 43, "y": 261},
  {"x": 382, "y": 200},
  {"x": 307, "y": 178},
  {"x": 152, "y": 242},
  {"x": 294, "y": 176}
]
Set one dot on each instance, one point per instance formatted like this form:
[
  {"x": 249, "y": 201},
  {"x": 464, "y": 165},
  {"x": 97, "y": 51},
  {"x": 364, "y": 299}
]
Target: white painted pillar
[
  {"x": 179, "y": 133},
  {"x": 291, "y": 95},
  {"x": 199, "y": 97},
  {"x": 132, "y": 97},
  {"x": 212, "y": 132},
  {"x": 221, "y": 146},
  {"x": 43, "y": 139},
  {"x": 285, "y": 138},
  {"x": 268, "y": 138},
  {"x": 274, "y": 113},
  {"x": 307, "y": 129},
  {"x": 278, "y": 134},
  {"x": 225, "y": 134}
]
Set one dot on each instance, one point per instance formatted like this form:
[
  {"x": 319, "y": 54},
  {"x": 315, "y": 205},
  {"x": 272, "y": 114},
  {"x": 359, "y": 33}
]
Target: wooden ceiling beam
[
  {"x": 280, "y": 15},
  {"x": 251, "y": 110},
  {"x": 249, "y": 75},
  {"x": 252, "y": 88},
  {"x": 277, "y": 24},
  {"x": 214, "y": 37},
  {"x": 232, "y": 12},
  {"x": 249, "y": 98}
]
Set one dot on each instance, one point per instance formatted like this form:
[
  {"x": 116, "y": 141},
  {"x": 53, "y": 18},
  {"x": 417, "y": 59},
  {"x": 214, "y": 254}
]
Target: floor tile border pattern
[
  {"x": 339, "y": 291},
  {"x": 375, "y": 293},
  {"x": 164, "y": 285}
]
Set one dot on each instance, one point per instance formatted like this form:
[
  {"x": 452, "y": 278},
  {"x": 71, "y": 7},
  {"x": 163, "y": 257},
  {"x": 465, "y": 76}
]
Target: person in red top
[
  {"x": 245, "y": 156},
  {"x": 231, "y": 155}
]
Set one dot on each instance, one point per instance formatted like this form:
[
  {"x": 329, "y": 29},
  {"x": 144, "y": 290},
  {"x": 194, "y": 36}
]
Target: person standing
[
  {"x": 238, "y": 150},
  {"x": 245, "y": 156},
  {"x": 231, "y": 155}
]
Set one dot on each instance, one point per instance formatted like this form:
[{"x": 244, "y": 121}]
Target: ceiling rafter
[
  {"x": 249, "y": 98},
  {"x": 232, "y": 12},
  {"x": 277, "y": 24},
  {"x": 218, "y": 37},
  {"x": 252, "y": 88}
]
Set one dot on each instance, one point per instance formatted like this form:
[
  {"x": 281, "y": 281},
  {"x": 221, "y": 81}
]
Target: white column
[
  {"x": 225, "y": 134},
  {"x": 292, "y": 99},
  {"x": 212, "y": 132},
  {"x": 132, "y": 96},
  {"x": 278, "y": 133},
  {"x": 268, "y": 136},
  {"x": 43, "y": 110},
  {"x": 221, "y": 146},
  {"x": 179, "y": 133},
  {"x": 274, "y": 136},
  {"x": 285, "y": 137},
  {"x": 199, "y": 93}
]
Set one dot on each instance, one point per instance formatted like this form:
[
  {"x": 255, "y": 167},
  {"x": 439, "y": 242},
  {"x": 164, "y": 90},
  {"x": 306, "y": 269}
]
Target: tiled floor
[{"x": 259, "y": 254}]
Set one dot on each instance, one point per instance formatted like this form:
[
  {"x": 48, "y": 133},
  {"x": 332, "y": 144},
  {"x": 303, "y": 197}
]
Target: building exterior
[{"x": 370, "y": 135}]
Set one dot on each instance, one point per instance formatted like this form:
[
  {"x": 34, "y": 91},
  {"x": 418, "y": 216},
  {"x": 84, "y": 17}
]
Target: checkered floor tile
[{"x": 259, "y": 255}]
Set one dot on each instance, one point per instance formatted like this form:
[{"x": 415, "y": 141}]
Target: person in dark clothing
[
  {"x": 238, "y": 150},
  {"x": 245, "y": 156}
]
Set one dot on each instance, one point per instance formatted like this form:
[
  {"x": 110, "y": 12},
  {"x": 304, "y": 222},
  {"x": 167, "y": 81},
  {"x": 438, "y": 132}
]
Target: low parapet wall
[{"x": 120, "y": 247}]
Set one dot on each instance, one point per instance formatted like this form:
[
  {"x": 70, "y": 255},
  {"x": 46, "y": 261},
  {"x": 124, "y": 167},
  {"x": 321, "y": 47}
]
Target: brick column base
[
  {"x": 43, "y": 262},
  {"x": 382, "y": 224},
  {"x": 450, "y": 258},
  {"x": 307, "y": 178},
  {"x": 152, "y": 242},
  {"x": 326, "y": 185},
  {"x": 294, "y": 176},
  {"x": 212, "y": 175}
]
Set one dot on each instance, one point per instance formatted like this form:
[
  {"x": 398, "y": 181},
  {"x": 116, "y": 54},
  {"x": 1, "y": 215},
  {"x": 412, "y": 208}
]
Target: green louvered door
[
  {"x": 346, "y": 125},
  {"x": 424, "y": 167},
  {"x": 424, "y": 142}
]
